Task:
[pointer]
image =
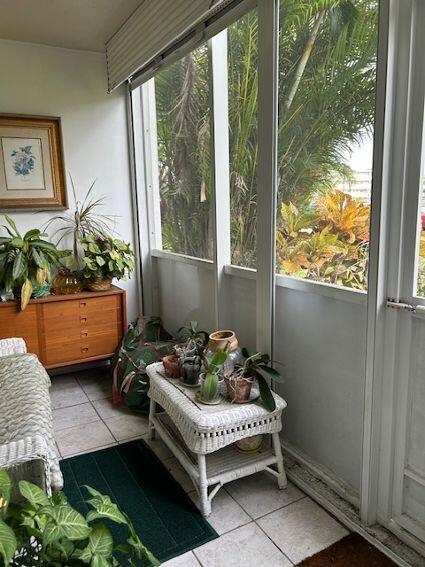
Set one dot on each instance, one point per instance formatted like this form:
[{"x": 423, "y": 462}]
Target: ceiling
[{"x": 74, "y": 24}]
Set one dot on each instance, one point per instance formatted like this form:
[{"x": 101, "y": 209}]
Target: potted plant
[
  {"x": 80, "y": 222},
  {"x": 211, "y": 379},
  {"x": 105, "y": 258},
  {"x": 43, "y": 530},
  {"x": 255, "y": 366},
  {"x": 190, "y": 361},
  {"x": 26, "y": 261},
  {"x": 192, "y": 331}
]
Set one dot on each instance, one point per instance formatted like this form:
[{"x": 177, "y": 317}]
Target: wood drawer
[
  {"x": 101, "y": 318},
  {"x": 96, "y": 344},
  {"x": 96, "y": 304},
  {"x": 60, "y": 352}
]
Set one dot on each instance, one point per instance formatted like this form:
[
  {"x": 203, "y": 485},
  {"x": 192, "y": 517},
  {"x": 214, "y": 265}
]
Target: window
[
  {"x": 243, "y": 142},
  {"x": 184, "y": 155},
  {"x": 327, "y": 82}
]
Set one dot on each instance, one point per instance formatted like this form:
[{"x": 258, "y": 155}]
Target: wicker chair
[{"x": 27, "y": 445}]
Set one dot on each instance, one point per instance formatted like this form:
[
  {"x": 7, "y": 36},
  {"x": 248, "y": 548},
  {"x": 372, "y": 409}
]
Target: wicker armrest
[
  {"x": 27, "y": 459},
  {"x": 12, "y": 346}
]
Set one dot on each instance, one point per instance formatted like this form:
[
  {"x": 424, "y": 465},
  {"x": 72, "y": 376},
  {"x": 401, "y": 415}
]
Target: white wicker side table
[{"x": 200, "y": 436}]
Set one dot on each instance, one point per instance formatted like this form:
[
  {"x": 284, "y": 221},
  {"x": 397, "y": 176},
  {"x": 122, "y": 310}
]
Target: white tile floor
[{"x": 257, "y": 523}]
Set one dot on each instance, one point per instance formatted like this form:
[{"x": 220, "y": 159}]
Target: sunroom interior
[{"x": 264, "y": 161}]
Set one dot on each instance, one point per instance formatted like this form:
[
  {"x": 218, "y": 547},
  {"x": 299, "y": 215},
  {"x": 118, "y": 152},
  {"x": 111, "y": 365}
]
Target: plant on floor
[
  {"x": 214, "y": 365},
  {"x": 47, "y": 531},
  {"x": 26, "y": 261},
  {"x": 106, "y": 257},
  {"x": 80, "y": 222},
  {"x": 254, "y": 366}
]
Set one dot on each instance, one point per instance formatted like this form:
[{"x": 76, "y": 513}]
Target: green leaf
[
  {"x": 45, "y": 245},
  {"x": 33, "y": 233},
  {"x": 265, "y": 393},
  {"x": 33, "y": 493},
  {"x": 5, "y": 489},
  {"x": 100, "y": 261},
  {"x": 210, "y": 386},
  {"x": 19, "y": 265},
  {"x": 11, "y": 223},
  {"x": 39, "y": 258},
  {"x": 103, "y": 507},
  {"x": 218, "y": 358},
  {"x": 65, "y": 522},
  {"x": 8, "y": 543},
  {"x": 101, "y": 541},
  {"x": 271, "y": 373}
]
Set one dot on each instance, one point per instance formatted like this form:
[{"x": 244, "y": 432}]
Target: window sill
[{"x": 288, "y": 282}]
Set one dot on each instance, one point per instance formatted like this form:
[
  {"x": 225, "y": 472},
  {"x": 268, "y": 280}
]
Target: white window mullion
[
  {"x": 220, "y": 159},
  {"x": 268, "y": 35}
]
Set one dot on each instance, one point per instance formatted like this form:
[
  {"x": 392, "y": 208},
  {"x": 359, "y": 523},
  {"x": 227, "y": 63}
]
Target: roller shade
[{"x": 152, "y": 30}]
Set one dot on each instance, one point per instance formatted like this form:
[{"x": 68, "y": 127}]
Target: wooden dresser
[{"x": 68, "y": 329}]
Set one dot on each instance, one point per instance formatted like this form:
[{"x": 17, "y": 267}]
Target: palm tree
[{"x": 326, "y": 106}]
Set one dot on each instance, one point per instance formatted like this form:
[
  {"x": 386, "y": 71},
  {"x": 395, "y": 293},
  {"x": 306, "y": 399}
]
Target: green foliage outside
[
  {"x": 326, "y": 107},
  {"x": 47, "y": 531}
]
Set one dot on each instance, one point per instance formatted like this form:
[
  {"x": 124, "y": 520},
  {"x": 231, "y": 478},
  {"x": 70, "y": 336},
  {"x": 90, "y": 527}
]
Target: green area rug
[{"x": 164, "y": 516}]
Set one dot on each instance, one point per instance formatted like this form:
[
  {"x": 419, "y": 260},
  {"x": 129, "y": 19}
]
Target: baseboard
[
  {"x": 341, "y": 487},
  {"x": 301, "y": 472}
]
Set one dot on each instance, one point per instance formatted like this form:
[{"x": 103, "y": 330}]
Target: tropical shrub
[
  {"x": 327, "y": 242},
  {"x": 26, "y": 261},
  {"x": 105, "y": 256},
  {"x": 47, "y": 531}
]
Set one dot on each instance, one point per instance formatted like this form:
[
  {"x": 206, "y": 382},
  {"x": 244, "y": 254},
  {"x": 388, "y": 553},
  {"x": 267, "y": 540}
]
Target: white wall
[{"x": 42, "y": 80}]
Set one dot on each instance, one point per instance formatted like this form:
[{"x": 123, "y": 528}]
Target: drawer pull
[
  {"x": 84, "y": 333},
  {"x": 83, "y": 319},
  {"x": 84, "y": 349},
  {"x": 83, "y": 303}
]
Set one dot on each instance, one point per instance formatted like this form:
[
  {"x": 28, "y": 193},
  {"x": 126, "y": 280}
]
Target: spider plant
[{"x": 82, "y": 221}]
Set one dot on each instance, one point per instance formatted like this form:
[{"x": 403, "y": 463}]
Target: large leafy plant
[
  {"x": 105, "y": 256},
  {"x": 257, "y": 366},
  {"x": 47, "y": 531},
  {"x": 26, "y": 260}
]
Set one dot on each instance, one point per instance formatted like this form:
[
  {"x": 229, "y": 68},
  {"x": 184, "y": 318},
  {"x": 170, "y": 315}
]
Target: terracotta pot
[
  {"x": 238, "y": 389},
  {"x": 100, "y": 283},
  {"x": 250, "y": 445},
  {"x": 67, "y": 283},
  {"x": 223, "y": 340},
  {"x": 228, "y": 342},
  {"x": 171, "y": 366}
]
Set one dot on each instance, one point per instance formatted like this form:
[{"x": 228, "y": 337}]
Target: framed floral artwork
[{"x": 31, "y": 163}]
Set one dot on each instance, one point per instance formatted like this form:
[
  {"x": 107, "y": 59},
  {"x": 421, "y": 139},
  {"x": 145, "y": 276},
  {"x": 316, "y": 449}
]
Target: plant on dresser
[
  {"x": 26, "y": 261},
  {"x": 106, "y": 258}
]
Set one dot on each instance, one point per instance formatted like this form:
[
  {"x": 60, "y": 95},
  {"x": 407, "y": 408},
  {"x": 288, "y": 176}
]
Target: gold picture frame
[{"x": 32, "y": 173}]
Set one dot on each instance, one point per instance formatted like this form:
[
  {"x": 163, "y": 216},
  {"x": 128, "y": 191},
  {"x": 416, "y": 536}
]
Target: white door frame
[{"x": 393, "y": 208}]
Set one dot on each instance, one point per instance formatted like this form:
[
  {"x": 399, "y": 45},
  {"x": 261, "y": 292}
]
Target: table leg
[
  {"x": 152, "y": 410},
  {"x": 203, "y": 486},
  {"x": 281, "y": 479}
]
